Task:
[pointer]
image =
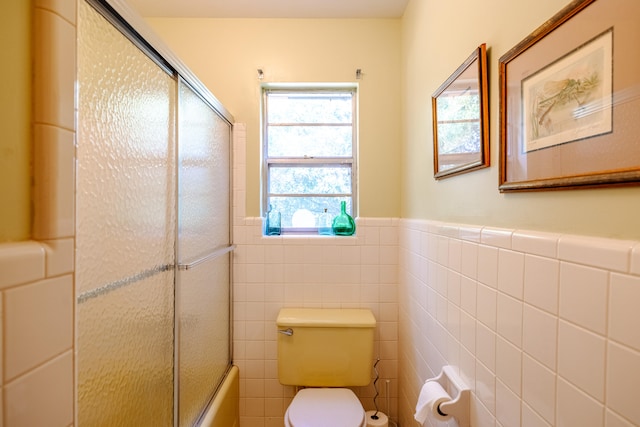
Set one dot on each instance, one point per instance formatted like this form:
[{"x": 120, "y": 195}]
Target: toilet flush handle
[{"x": 287, "y": 331}]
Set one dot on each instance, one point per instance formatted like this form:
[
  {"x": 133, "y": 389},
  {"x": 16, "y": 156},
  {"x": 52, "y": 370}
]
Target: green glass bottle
[{"x": 343, "y": 224}]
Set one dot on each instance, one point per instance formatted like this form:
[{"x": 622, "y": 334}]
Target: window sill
[{"x": 316, "y": 237}]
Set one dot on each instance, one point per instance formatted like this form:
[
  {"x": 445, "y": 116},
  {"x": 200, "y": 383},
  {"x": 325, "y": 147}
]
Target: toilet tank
[{"x": 320, "y": 347}]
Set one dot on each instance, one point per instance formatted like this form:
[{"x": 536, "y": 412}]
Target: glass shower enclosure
[{"x": 153, "y": 233}]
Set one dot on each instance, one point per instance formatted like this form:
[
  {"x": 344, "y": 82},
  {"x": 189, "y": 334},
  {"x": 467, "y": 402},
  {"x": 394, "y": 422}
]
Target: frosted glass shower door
[
  {"x": 125, "y": 230},
  {"x": 204, "y": 257}
]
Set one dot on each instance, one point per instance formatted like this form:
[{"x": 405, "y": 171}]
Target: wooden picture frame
[
  {"x": 461, "y": 119},
  {"x": 570, "y": 101}
]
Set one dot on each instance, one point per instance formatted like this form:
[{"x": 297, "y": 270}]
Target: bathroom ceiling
[{"x": 270, "y": 8}]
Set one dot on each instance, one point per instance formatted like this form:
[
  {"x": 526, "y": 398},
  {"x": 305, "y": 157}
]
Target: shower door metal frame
[
  {"x": 126, "y": 20},
  {"x": 193, "y": 263}
]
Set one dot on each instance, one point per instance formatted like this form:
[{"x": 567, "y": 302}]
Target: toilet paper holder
[{"x": 459, "y": 405}]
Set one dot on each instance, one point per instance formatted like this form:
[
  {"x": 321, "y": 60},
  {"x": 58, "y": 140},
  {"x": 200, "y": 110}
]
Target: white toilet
[{"x": 325, "y": 350}]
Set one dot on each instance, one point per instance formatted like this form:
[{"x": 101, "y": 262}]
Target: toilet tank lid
[{"x": 326, "y": 317}]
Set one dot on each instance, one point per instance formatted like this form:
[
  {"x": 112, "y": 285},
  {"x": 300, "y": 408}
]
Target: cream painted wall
[
  {"x": 15, "y": 117},
  {"x": 225, "y": 55},
  {"x": 437, "y": 37}
]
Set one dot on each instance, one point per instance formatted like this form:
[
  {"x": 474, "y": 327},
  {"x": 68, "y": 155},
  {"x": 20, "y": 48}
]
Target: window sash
[{"x": 308, "y": 161}]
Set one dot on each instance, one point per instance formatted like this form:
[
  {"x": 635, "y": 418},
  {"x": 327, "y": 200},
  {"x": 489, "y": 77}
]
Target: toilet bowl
[{"x": 325, "y": 407}]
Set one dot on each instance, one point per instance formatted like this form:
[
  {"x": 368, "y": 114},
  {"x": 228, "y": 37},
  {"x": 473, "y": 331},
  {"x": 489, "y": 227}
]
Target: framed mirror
[{"x": 461, "y": 119}]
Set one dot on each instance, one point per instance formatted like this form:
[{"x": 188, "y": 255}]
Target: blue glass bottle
[
  {"x": 273, "y": 223},
  {"x": 324, "y": 223},
  {"x": 343, "y": 224}
]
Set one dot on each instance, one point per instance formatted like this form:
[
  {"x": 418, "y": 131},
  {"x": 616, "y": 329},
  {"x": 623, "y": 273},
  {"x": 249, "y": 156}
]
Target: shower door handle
[
  {"x": 210, "y": 256},
  {"x": 288, "y": 332}
]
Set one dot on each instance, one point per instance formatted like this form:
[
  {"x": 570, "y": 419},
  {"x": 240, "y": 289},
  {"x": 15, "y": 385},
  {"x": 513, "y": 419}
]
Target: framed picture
[
  {"x": 570, "y": 101},
  {"x": 461, "y": 119}
]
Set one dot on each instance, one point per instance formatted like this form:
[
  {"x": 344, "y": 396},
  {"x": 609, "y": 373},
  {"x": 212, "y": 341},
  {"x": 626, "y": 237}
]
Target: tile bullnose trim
[
  {"x": 536, "y": 243},
  {"x": 470, "y": 233},
  {"x": 599, "y": 252},
  {"x": 450, "y": 230},
  {"x": 498, "y": 237},
  {"x": 21, "y": 262}
]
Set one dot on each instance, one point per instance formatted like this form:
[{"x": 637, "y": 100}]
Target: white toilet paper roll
[
  {"x": 382, "y": 421},
  {"x": 431, "y": 395}
]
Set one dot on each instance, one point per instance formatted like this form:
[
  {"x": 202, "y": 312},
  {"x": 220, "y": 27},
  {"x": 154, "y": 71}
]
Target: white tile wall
[
  {"x": 583, "y": 296},
  {"x": 624, "y": 295},
  {"x": 275, "y": 272},
  {"x": 547, "y": 332},
  {"x": 509, "y": 365},
  {"x": 539, "y": 388},
  {"x": 43, "y": 312},
  {"x": 623, "y": 382},
  {"x": 541, "y": 282},
  {"x": 540, "y": 333}
]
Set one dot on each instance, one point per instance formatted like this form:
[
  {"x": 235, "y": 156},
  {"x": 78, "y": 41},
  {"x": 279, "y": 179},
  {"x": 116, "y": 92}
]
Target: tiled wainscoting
[
  {"x": 311, "y": 271},
  {"x": 544, "y": 328}
]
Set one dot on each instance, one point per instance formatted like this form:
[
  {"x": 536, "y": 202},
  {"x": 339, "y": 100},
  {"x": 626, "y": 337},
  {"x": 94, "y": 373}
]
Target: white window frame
[{"x": 309, "y": 161}]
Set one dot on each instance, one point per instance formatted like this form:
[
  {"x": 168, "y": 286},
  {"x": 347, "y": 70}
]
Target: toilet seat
[{"x": 325, "y": 407}]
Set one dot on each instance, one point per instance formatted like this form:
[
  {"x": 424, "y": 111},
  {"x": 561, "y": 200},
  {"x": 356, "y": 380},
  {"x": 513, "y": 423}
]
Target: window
[{"x": 309, "y": 152}]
